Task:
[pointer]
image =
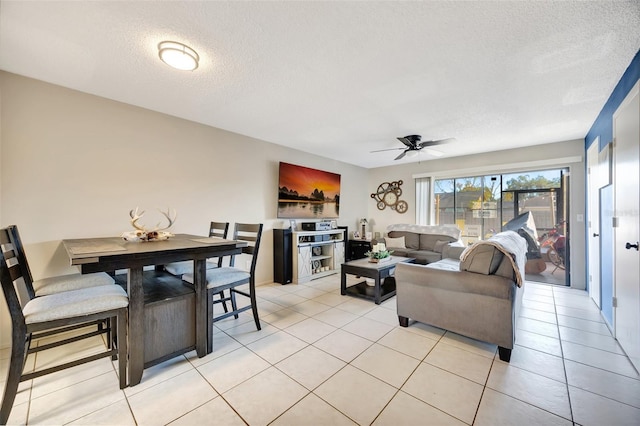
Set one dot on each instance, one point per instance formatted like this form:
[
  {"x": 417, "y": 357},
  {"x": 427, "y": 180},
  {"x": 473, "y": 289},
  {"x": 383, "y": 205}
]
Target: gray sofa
[
  {"x": 426, "y": 244},
  {"x": 478, "y": 297}
]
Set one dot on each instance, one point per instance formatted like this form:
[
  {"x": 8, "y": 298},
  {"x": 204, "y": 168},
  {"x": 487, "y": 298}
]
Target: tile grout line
[{"x": 564, "y": 366}]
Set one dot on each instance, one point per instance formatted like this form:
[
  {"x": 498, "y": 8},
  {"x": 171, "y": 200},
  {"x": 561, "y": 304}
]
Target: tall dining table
[{"x": 113, "y": 253}]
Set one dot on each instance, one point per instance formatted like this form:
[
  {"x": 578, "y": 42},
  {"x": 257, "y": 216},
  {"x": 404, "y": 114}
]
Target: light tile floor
[{"x": 326, "y": 359}]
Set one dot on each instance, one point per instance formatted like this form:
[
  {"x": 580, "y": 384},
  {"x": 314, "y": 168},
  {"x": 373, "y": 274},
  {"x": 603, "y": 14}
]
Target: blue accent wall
[{"x": 603, "y": 128}]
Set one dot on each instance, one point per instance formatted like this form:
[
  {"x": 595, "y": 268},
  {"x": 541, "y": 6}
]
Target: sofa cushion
[
  {"x": 402, "y": 252},
  {"x": 428, "y": 241},
  {"x": 452, "y": 251},
  {"x": 423, "y": 256},
  {"x": 411, "y": 239},
  {"x": 446, "y": 265},
  {"x": 505, "y": 268},
  {"x": 485, "y": 259},
  {"x": 440, "y": 245},
  {"x": 395, "y": 243}
]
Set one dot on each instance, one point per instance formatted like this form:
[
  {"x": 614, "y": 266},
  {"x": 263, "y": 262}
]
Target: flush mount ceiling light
[{"x": 178, "y": 55}]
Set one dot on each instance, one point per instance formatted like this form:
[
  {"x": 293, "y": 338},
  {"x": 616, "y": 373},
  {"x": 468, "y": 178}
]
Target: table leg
[
  {"x": 200, "y": 285},
  {"x": 343, "y": 283},
  {"x": 377, "y": 290},
  {"x": 136, "y": 325}
]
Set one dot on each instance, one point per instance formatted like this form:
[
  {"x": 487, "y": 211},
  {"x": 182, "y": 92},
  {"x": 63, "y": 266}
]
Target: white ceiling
[{"x": 340, "y": 79}]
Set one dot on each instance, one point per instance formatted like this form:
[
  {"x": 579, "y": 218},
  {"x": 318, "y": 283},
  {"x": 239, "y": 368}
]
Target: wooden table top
[{"x": 91, "y": 250}]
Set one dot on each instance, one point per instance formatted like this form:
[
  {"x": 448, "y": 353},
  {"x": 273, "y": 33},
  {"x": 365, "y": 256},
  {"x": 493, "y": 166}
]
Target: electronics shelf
[{"x": 317, "y": 254}]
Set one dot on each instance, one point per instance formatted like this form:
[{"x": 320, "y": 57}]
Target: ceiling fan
[{"x": 413, "y": 146}]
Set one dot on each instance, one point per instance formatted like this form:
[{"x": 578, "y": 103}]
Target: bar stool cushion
[
  {"x": 222, "y": 276},
  {"x": 186, "y": 267},
  {"x": 75, "y": 303},
  {"x": 53, "y": 285}
]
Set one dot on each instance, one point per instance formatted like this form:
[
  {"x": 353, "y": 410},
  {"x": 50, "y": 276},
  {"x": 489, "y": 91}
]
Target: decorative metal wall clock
[{"x": 388, "y": 194}]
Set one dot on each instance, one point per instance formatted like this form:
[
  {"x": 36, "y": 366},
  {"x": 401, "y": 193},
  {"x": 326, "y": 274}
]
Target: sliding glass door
[{"x": 481, "y": 205}]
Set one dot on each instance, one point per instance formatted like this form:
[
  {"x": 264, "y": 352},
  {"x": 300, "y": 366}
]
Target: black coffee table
[{"x": 382, "y": 274}]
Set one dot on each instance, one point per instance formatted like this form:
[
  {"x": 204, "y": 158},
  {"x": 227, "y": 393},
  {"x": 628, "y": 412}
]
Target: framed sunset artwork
[{"x": 307, "y": 193}]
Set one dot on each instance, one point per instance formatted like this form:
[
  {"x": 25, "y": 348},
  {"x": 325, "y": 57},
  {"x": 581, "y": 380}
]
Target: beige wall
[
  {"x": 73, "y": 165},
  {"x": 563, "y": 154}
]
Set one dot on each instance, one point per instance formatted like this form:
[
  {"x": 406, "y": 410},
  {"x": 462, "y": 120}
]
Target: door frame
[
  {"x": 626, "y": 292},
  {"x": 593, "y": 222}
]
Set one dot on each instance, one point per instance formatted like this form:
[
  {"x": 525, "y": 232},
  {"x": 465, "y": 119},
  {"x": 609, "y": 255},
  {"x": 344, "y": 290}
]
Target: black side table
[{"x": 357, "y": 248}]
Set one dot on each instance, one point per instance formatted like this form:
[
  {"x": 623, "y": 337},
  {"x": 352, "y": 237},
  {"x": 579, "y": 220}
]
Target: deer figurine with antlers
[{"x": 141, "y": 233}]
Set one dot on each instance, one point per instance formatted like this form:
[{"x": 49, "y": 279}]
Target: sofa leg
[
  {"x": 404, "y": 321},
  {"x": 504, "y": 353}
]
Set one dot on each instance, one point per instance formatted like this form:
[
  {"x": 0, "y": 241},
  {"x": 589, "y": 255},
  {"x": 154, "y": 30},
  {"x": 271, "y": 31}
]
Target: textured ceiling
[{"x": 340, "y": 79}]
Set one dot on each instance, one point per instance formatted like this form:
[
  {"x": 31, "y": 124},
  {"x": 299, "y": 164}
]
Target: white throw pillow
[{"x": 394, "y": 242}]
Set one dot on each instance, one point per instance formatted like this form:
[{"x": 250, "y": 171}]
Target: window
[{"x": 480, "y": 205}]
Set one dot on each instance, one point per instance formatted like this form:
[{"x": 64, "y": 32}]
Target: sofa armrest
[{"x": 483, "y": 307}]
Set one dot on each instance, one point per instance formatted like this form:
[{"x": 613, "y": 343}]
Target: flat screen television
[{"x": 306, "y": 193}]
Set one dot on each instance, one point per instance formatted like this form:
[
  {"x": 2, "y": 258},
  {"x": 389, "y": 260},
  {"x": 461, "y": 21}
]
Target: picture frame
[{"x": 356, "y": 235}]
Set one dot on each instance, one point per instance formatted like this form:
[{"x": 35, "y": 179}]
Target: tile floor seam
[
  {"x": 162, "y": 381},
  {"x": 334, "y": 407},
  {"x": 68, "y": 386},
  {"x": 385, "y": 405},
  {"x": 101, "y": 408},
  {"x": 604, "y": 396},
  {"x": 529, "y": 403},
  {"x": 221, "y": 394},
  {"x": 470, "y": 352},
  {"x": 593, "y": 347},
  {"x": 484, "y": 388},
  {"x": 433, "y": 406},
  {"x": 237, "y": 384},
  {"x": 319, "y": 384},
  {"x": 288, "y": 356},
  {"x": 564, "y": 366},
  {"x": 188, "y": 412},
  {"x": 378, "y": 378},
  {"x": 233, "y": 408},
  {"x": 451, "y": 372},
  {"x": 287, "y": 410},
  {"x": 637, "y": 378}
]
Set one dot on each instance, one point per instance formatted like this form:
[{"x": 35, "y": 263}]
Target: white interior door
[
  {"x": 593, "y": 185},
  {"x": 626, "y": 131}
]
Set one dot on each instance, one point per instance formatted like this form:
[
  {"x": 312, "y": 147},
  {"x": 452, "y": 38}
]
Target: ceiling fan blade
[
  {"x": 436, "y": 142},
  {"x": 401, "y": 155},
  {"x": 388, "y": 149}
]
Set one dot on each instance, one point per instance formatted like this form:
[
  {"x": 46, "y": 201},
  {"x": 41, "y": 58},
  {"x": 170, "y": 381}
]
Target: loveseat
[
  {"x": 424, "y": 243},
  {"x": 477, "y": 295}
]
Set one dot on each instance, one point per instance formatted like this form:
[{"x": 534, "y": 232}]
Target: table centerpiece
[
  {"x": 378, "y": 253},
  {"x": 141, "y": 233}
]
